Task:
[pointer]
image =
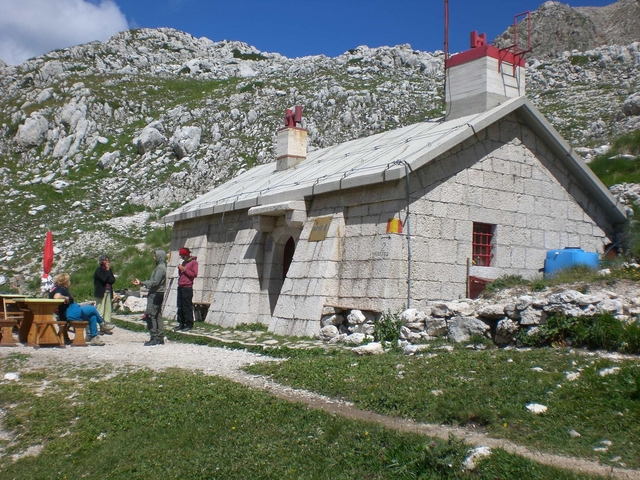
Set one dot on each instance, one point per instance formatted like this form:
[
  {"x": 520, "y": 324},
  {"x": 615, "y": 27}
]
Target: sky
[{"x": 294, "y": 29}]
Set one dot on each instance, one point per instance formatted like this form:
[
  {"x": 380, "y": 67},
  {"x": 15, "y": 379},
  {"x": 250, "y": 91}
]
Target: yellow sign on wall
[
  {"x": 320, "y": 229},
  {"x": 394, "y": 225}
]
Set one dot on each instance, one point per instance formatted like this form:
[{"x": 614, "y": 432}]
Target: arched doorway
[
  {"x": 283, "y": 252},
  {"x": 287, "y": 257}
]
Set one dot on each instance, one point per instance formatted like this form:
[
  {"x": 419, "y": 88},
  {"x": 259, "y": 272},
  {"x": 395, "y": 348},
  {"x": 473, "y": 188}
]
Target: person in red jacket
[{"x": 187, "y": 271}]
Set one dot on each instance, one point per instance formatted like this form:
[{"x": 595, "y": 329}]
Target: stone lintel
[
  {"x": 264, "y": 223},
  {"x": 295, "y": 213}
]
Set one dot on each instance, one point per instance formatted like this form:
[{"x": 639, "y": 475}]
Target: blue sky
[{"x": 294, "y": 29}]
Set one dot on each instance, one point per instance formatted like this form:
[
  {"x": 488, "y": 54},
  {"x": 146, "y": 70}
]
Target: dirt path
[{"x": 124, "y": 348}]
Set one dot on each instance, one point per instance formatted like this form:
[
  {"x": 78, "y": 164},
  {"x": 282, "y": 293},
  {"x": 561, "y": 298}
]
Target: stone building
[{"x": 389, "y": 221}]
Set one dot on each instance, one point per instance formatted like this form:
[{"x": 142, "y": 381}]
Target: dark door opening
[{"x": 289, "y": 250}]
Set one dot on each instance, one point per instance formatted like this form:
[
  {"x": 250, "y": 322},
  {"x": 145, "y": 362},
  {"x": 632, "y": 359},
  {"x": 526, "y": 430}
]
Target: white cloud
[{"x": 34, "y": 27}]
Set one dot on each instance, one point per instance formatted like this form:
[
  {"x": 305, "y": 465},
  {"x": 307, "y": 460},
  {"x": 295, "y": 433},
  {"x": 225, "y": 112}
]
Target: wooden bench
[
  {"x": 78, "y": 327},
  {"x": 6, "y": 332},
  {"x": 47, "y": 329}
]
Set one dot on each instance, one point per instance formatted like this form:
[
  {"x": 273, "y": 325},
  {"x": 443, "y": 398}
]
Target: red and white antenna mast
[{"x": 446, "y": 53}]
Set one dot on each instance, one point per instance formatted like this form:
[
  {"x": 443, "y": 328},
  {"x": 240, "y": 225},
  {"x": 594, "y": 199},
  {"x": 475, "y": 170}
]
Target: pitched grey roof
[{"x": 379, "y": 158}]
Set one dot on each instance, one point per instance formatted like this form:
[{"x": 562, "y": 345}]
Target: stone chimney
[
  {"x": 291, "y": 148},
  {"x": 481, "y": 78}
]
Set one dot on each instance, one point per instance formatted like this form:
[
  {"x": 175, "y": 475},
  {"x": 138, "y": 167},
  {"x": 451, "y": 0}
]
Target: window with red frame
[{"x": 482, "y": 244}]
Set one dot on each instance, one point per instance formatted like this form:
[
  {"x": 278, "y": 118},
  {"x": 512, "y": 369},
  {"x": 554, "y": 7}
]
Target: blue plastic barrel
[{"x": 569, "y": 257}]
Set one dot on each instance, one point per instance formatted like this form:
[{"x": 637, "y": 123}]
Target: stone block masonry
[{"x": 503, "y": 176}]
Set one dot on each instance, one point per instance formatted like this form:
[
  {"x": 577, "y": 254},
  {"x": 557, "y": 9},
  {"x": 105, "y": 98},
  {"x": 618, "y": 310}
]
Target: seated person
[{"x": 70, "y": 310}]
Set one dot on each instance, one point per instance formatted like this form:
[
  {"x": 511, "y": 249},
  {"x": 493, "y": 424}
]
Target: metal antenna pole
[{"x": 446, "y": 53}]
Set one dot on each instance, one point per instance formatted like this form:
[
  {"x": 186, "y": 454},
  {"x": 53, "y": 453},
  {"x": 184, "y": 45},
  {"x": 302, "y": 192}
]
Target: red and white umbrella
[{"x": 47, "y": 262}]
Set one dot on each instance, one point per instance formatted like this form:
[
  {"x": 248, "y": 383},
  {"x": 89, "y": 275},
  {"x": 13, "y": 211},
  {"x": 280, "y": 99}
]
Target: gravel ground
[{"x": 125, "y": 348}]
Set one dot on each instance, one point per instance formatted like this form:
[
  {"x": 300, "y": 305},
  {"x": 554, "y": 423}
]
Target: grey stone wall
[
  {"x": 505, "y": 176},
  {"x": 212, "y": 240}
]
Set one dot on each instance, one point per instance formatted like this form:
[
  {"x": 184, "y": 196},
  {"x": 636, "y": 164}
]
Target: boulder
[
  {"x": 414, "y": 349},
  {"x": 373, "y": 348},
  {"x": 412, "y": 315},
  {"x": 108, "y": 159},
  {"x": 32, "y": 132},
  {"x": 356, "y": 317},
  {"x": 531, "y": 316},
  {"x": 492, "y": 312},
  {"x": 631, "y": 105},
  {"x": 505, "y": 332},
  {"x": 185, "y": 141},
  {"x": 354, "y": 338},
  {"x": 328, "y": 332},
  {"x": 135, "y": 304},
  {"x": 436, "y": 326},
  {"x": 332, "y": 319},
  {"x": 148, "y": 140},
  {"x": 462, "y": 328}
]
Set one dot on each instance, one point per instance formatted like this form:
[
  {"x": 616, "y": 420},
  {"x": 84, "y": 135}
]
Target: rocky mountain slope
[
  {"x": 98, "y": 141},
  {"x": 556, "y": 27}
]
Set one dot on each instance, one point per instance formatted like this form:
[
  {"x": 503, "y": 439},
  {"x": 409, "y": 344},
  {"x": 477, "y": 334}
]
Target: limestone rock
[
  {"x": 492, "y": 312},
  {"x": 32, "y": 132},
  {"x": 373, "y": 348},
  {"x": 474, "y": 455},
  {"x": 414, "y": 349},
  {"x": 531, "y": 316},
  {"x": 149, "y": 139},
  {"x": 631, "y": 105},
  {"x": 107, "y": 159},
  {"x": 412, "y": 315},
  {"x": 354, "y": 338},
  {"x": 356, "y": 317},
  {"x": 135, "y": 304},
  {"x": 185, "y": 140},
  {"x": 461, "y": 328},
  {"x": 332, "y": 319},
  {"x": 505, "y": 331},
  {"x": 328, "y": 332},
  {"x": 436, "y": 326}
]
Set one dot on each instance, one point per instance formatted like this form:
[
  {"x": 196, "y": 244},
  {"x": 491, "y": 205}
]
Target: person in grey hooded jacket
[{"x": 156, "y": 285}]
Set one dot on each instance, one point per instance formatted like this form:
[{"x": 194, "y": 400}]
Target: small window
[{"x": 482, "y": 244}]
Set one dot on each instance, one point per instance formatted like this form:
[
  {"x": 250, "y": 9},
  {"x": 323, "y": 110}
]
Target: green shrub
[
  {"x": 387, "y": 328},
  {"x": 582, "y": 59},
  {"x": 598, "y": 332},
  {"x": 247, "y": 56}
]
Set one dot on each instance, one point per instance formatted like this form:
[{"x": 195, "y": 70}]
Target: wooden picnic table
[{"x": 39, "y": 326}]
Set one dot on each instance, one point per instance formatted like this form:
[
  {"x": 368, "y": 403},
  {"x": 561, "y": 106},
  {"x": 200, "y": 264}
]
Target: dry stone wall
[{"x": 499, "y": 319}]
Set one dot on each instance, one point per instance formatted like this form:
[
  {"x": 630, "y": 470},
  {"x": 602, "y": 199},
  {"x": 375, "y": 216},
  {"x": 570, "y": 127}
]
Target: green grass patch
[
  {"x": 582, "y": 59},
  {"x": 177, "y": 424},
  {"x": 597, "y": 332},
  {"x": 489, "y": 390},
  {"x": 618, "y": 170}
]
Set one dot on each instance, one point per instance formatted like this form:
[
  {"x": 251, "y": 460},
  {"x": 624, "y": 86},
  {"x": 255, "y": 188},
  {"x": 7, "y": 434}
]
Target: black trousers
[{"x": 185, "y": 306}]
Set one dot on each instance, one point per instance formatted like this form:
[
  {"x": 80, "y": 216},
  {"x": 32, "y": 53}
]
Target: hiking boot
[
  {"x": 154, "y": 341},
  {"x": 178, "y": 328},
  {"x": 96, "y": 341},
  {"x": 106, "y": 327},
  {"x": 186, "y": 329}
]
